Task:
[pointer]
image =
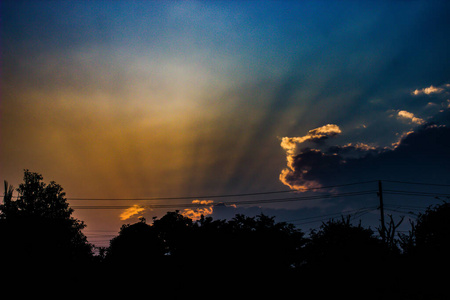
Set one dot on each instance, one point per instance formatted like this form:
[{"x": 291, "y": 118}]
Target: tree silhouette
[
  {"x": 432, "y": 231},
  {"x": 340, "y": 242},
  {"x": 341, "y": 254},
  {"x": 136, "y": 245},
  {"x": 389, "y": 233},
  {"x": 7, "y": 209},
  {"x": 175, "y": 246},
  {"x": 38, "y": 229},
  {"x": 426, "y": 253},
  {"x": 263, "y": 246},
  {"x": 175, "y": 230}
]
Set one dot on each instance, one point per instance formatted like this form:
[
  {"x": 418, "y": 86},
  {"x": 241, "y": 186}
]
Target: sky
[{"x": 161, "y": 99}]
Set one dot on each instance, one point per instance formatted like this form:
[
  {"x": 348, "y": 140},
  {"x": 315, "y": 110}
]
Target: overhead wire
[
  {"x": 416, "y": 183},
  {"x": 222, "y": 195},
  {"x": 410, "y": 210},
  {"x": 261, "y": 201},
  {"x": 257, "y": 201},
  {"x": 402, "y": 212},
  {"x": 298, "y": 222},
  {"x": 415, "y": 193},
  {"x": 332, "y": 214},
  {"x": 411, "y": 207},
  {"x": 239, "y": 202},
  {"x": 322, "y": 218},
  {"x": 257, "y": 193}
]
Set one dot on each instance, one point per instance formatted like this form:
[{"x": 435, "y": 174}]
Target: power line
[
  {"x": 221, "y": 195},
  {"x": 415, "y": 193},
  {"x": 259, "y": 193},
  {"x": 242, "y": 202},
  {"x": 410, "y": 210},
  {"x": 362, "y": 213},
  {"x": 403, "y": 212},
  {"x": 412, "y": 207},
  {"x": 256, "y": 193},
  {"x": 249, "y": 194},
  {"x": 417, "y": 183},
  {"x": 359, "y": 212},
  {"x": 348, "y": 212}
]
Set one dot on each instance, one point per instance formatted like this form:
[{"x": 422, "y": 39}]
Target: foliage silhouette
[
  {"x": 427, "y": 252},
  {"x": 429, "y": 235},
  {"x": 432, "y": 231},
  {"x": 136, "y": 245},
  {"x": 37, "y": 229},
  {"x": 175, "y": 246},
  {"x": 339, "y": 254},
  {"x": 338, "y": 242}
]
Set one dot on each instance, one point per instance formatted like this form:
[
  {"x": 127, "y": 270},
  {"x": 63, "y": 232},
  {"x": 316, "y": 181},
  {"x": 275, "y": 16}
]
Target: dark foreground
[{"x": 43, "y": 250}]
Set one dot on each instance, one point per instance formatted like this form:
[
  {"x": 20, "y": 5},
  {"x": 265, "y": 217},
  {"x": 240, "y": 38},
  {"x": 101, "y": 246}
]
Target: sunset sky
[{"x": 139, "y": 99}]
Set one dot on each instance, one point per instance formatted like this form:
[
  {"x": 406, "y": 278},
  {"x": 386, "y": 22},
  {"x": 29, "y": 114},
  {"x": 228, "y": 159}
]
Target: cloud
[
  {"x": 290, "y": 144},
  {"x": 421, "y": 154},
  {"x": 402, "y": 136},
  {"x": 320, "y": 133},
  {"x": 430, "y": 90},
  {"x": 407, "y": 115},
  {"x": 131, "y": 211},
  {"x": 196, "y": 213}
]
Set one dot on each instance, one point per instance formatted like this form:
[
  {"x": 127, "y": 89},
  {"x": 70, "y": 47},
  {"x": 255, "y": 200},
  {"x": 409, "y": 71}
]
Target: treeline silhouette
[{"x": 38, "y": 234}]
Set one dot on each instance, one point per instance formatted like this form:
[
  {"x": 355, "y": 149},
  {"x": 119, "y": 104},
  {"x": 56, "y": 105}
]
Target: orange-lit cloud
[
  {"x": 336, "y": 163},
  {"x": 131, "y": 211},
  {"x": 285, "y": 178},
  {"x": 429, "y": 90},
  {"x": 407, "y": 115},
  {"x": 290, "y": 145},
  {"x": 361, "y": 146},
  {"x": 402, "y": 137},
  {"x": 196, "y": 213}
]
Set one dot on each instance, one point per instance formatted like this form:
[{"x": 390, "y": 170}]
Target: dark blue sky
[{"x": 154, "y": 99}]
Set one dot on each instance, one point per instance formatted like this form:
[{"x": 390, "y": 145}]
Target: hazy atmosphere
[{"x": 190, "y": 100}]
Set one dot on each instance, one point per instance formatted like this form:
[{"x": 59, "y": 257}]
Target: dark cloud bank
[{"x": 422, "y": 155}]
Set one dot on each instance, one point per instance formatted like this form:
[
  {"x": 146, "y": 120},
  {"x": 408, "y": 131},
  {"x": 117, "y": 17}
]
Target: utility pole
[{"x": 383, "y": 227}]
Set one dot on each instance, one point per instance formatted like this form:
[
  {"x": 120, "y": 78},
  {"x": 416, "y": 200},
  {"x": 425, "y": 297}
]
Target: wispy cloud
[
  {"x": 205, "y": 209},
  {"x": 431, "y": 90},
  {"x": 131, "y": 211},
  {"x": 410, "y": 116}
]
